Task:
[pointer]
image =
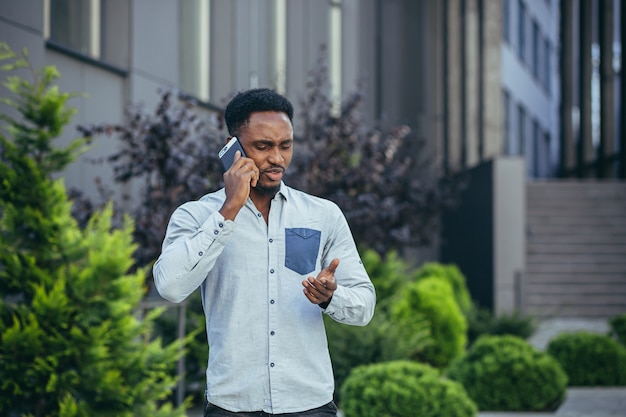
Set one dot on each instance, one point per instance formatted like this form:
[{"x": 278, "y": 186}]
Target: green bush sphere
[
  {"x": 434, "y": 299},
  {"x": 452, "y": 274},
  {"x": 402, "y": 389},
  {"x": 505, "y": 373},
  {"x": 590, "y": 359}
]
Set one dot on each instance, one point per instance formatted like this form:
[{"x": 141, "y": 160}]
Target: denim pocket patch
[{"x": 301, "y": 248}]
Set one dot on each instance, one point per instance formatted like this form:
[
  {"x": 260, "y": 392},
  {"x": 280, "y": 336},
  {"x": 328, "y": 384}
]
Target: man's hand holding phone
[{"x": 241, "y": 174}]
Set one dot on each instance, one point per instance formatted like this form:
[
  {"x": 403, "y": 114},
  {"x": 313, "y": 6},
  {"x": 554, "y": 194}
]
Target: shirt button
[
  {"x": 271, "y": 271},
  {"x": 215, "y": 232},
  {"x": 200, "y": 253},
  {"x": 258, "y": 214},
  {"x": 220, "y": 224},
  {"x": 271, "y": 240},
  {"x": 272, "y": 333},
  {"x": 272, "y": 301},
  {"x": 272, "y": 364}
]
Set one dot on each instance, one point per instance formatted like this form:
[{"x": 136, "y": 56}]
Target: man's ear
[{"x": 228, "y": 138}]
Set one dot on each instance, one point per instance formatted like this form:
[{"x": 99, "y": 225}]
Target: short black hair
[{"x": 239, "y": 109}]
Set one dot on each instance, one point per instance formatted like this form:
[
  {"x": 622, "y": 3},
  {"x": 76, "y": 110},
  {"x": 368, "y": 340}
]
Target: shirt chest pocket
[{"x": 301, "y": 248}]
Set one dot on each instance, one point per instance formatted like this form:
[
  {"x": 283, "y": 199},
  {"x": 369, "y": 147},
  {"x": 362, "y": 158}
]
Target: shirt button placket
[{"x": 273, "y": 312}]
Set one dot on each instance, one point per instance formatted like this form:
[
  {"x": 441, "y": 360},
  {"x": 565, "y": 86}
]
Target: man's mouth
[{"x": 274, "y": 173}]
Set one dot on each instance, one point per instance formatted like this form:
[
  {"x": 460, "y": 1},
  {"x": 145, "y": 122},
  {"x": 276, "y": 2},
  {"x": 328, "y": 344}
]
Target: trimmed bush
[
  {"x": 590, "y": 359},
  {"x": 505, "y": 373},
  {"x": 618, "y": 328},
  {"x": 455, "y": 278},
  {"x": 401, "y": 389},
  {"x": 433, "y": 299}
]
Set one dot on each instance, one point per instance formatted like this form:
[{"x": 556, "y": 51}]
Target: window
[
  {"x": 506, "y": 30},
  {"x": 216, "y": 59},
  {"x": 521, "y": 130},
  {"x": 280, "y": 45},
  {"x": 546, "y": 64},
  {"x": 521, "y": 31},
  {"x": 535, "y": 51},
  {"x": 537, "y": 153},
  {"x": 97, "y": 29},
  {"x": 507, "y": 146},
  {"x": 335, "y": 63},
  {"x": 194, "y": 55}
]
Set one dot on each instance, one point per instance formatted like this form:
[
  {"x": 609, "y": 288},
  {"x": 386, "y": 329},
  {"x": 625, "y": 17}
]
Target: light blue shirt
[{"x": 268, "y": 347}]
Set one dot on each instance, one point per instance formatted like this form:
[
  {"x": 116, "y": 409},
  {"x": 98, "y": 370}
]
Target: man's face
[{"x": 268, "y": 141}]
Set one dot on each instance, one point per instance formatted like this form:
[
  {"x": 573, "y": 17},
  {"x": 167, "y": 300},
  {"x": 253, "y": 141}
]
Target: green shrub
[
  {"x": 505, "y": 373},
  {"x": 401, "y": 389},
  {"x": 71, "y": 342},
  {"x": 481, "y": 321},
  {"x": 590, "y": 359},
  {"x": 453, "y": 275},
  {"x": 389, "y": 274},
  {"x": 433, "y": 298},
  {"x": 618, "y": 328},
  {"x": 382, "y": 339}
]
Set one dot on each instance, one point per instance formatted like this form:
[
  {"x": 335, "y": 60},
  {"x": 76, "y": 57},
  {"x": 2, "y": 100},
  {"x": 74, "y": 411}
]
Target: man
[{"x": 269, "y": 261}]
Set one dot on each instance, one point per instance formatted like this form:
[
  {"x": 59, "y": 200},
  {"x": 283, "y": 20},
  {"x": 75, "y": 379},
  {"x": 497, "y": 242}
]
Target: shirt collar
[{"x": 283, "y": 191}]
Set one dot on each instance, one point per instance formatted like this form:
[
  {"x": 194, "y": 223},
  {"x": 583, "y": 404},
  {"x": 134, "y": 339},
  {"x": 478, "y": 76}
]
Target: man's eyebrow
[{"x": 271, "y": 142}]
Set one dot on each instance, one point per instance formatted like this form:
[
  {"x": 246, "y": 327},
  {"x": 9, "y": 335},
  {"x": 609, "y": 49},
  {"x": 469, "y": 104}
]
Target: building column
[
  {"x": 622, "y": 94},
  {"x": 585, "y": 153},
  {"x": 607, "y": 87},
  {"x": 566, "y": 146}
]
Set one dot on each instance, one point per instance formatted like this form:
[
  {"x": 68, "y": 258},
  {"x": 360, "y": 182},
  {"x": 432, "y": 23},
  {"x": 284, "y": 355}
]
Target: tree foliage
[{"x": 70, "y": 341}]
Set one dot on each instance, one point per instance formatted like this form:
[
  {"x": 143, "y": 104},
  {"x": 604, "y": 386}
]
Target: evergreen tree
[{"x": 71, "y": 342}]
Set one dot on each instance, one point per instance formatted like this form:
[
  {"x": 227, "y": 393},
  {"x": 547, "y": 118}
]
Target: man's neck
[{"x": 262, "y": 202}]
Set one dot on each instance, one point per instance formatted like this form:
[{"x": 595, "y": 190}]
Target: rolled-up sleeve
[{"x": 194, "y": 239}]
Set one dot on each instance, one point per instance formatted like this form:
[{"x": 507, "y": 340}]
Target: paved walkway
[{"x": 582, "y": 402}]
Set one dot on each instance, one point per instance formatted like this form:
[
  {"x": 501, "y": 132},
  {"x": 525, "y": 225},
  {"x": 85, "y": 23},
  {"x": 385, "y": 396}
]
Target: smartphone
[{"x": 227, "y": 153}]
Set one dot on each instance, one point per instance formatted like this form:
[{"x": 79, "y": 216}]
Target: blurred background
[{"x": 523, "y": 98}]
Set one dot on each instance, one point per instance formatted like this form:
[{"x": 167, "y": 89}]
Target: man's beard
[{"x": 270, "y": 190}]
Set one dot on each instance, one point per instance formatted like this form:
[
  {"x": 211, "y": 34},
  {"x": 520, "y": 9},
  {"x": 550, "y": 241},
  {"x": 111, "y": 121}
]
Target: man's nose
[{"x": 276, "y": 156}]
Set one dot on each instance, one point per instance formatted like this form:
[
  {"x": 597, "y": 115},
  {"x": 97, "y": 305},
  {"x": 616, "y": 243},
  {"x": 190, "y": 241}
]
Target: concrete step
[
  {"x": 582, "y": 258},
  {"x": 587, "y": 289},
  {"x": 575, "y": 277},
  {"x": 577, "y": 248},
  {"x": 576, "y": 239},
  {"x": 601, "y": 311},
  {"x": 571, "y": 268}
]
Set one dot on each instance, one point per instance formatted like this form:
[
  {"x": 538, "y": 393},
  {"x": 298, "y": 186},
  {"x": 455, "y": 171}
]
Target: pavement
[{"x": 580, "y": 401}]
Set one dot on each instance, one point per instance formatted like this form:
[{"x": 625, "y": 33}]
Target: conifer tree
[{"x": 71, "y": 342}]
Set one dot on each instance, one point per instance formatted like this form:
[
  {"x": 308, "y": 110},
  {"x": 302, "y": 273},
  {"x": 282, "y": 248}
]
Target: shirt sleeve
[
  {"x": 194, "y": 239},
  {"x": 354, "y": 299}
]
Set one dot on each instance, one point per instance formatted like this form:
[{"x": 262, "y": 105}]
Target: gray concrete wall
[{"x": 509, "y": 211}]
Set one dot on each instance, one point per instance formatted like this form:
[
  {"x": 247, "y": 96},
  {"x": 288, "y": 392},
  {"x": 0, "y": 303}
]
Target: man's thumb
[{"x": 333, "y": 266}]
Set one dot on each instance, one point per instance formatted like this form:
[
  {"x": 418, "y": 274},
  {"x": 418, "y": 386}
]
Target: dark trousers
[{"x": 328, "y": 410}]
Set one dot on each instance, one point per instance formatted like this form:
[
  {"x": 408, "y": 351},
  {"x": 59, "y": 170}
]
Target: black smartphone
[{"x": 227, "y": 153}]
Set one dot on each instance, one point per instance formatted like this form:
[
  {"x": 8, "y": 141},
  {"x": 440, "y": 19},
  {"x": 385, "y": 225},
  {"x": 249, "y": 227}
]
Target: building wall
[
  {"x": 538, "y": 96},
  {"x": 146, "y": 45}
]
